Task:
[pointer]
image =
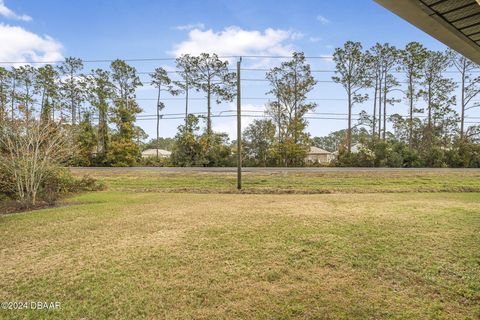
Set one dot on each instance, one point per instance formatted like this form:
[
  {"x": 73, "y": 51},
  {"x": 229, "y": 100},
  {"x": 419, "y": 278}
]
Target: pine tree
[
  {"x": 210, "y": 74},
  {"x": 26, "y": 93},
  {"x": 124, "y": 150},
  {"x": 469, "y": 86},
  {"x": 4, "y": 92},
  {"x": 46, "y": 85},
  {"x": 351, "y": 73},
  {"x": 290, "y": 83},
  {"x": 163, "y": 83},
  {"x": 437, "y": 91},
  {"x": 72, "y": 86},
  {"x": 412, "y": 61},
  {"x": 100, "y": 93},
  {"x": 184, "y": 65}
]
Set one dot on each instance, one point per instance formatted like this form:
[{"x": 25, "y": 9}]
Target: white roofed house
[
  {"x": 153, "y": 153},
  {"x": 318, "y": 155}
]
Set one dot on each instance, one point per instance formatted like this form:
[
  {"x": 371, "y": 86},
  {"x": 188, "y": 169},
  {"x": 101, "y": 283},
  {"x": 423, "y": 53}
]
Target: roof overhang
[{"x": 456, "y": 23}]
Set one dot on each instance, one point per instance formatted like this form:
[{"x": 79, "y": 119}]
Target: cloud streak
[
  {"x": 323, "y": 20},
  {"x": 10, "y": 14},
  {"x": 187, "y": 27}
]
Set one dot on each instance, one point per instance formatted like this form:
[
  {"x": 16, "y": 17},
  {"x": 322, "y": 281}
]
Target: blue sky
[{"x": 108, "y": 29}]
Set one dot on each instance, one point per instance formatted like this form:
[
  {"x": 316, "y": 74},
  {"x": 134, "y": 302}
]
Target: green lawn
[
  {"x": 290, "y": 182},
  {"x": 129, "y": 255}
]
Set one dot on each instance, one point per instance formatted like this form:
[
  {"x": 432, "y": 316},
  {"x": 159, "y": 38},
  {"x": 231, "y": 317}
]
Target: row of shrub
[{"x": 399, "y": 155}]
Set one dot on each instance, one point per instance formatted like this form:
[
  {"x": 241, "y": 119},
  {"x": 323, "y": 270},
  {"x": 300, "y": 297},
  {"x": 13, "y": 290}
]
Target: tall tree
[
  {"x": 125, "y": 81},
  {"x": 469, "y": 86},
  {"x": 372, "y": 57},
  {"x": 13, "y": 90},
  {"x": 210, "y": 74},
  {"x": 388, "y": 60},
  {"x": 184, "y": 66},
  {"x": 412, "y": 60},
  {"x": 46, "y": 85},
  {"x": 72, "y": 86},
  {"x": 4, "y": 92},
  {"x": 290, "y": 83},
  {"x": 351, "y": 73},
  {"x": 437, "y": 89},
  {"x": 163, "y": 83},
  {"x": 26, "y": 81},
  {"x": 124, "y": 149},
  {"x": 100, "y": 93}
]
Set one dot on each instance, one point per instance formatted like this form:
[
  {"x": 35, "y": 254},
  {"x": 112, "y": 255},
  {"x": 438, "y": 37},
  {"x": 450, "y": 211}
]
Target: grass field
[
  {"x": 290, "y": 182},
  {"x": 128, "y": 255}
]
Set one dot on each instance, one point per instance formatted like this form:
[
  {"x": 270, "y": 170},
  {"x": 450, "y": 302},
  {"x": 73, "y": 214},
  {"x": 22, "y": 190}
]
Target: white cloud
[
  {"x": 322, "y": 19},
  {"x": 314, "y": 39},
  {"x": 187, "y": 27},
  {"x": 297, "y": 36},
  {"x": 21, "y": 45},
  {"x": 234, "y": 41},
  {"x": 8, "y": 13}
]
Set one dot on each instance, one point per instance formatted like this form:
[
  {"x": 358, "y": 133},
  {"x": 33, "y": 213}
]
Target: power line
[
  {"x": 252, "y": 98},
  {"x": 312, "y": 71},
  {"x": 319, "y": 81},
  {"x": 321, "y": 57},
  {"x": 264, "y": 112},
  {"x": 161, "y": 59},
  {"x": 266, "y": 116}
]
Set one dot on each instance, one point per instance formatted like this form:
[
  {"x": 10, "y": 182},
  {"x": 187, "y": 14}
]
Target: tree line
[
  {"x": 434, "y": 133},
  {"x": 100, "y": 109},
  {"x": 100, "y": 106}
]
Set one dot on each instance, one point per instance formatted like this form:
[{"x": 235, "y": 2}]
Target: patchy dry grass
[
  {"x": 220, "y": 256},
  {"x": 290, "y": 182}
]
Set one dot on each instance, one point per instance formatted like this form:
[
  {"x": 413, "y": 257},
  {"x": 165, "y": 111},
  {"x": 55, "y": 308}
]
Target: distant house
[
  {"x": 360, "y": 147},
  {"x": 153, "y": 153},
  {"x": 318, "y": 155},
  {"x": 356, "y": 148}
]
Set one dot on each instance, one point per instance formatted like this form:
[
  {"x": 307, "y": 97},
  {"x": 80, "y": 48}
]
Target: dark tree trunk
[
  {"x": 349, "y": 131},
  {"x": 374, "y": 122},
  {"x": 209, "y": 109},
  {"x": 462, "y": 119},
  {"x": 186, "y": 104},
  {"x": 410, "y": 89},
  {"x": 380, "y": 108},
  {"x": 158, "y": 120}
]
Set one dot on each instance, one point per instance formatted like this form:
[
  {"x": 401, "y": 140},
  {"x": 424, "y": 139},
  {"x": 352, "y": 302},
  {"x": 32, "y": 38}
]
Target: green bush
[
  {"x": 7, "y": 185},
  {"x": 123, "y": 153},
  {"x": 464, "y": 155},
  {"x": 60, "y": 181}
]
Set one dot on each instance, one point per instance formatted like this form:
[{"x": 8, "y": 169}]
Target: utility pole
[
  {"x": 158, "y": 118},
  {"x": 239, "y": 129},
  {"x": 186, "y": 101}
]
